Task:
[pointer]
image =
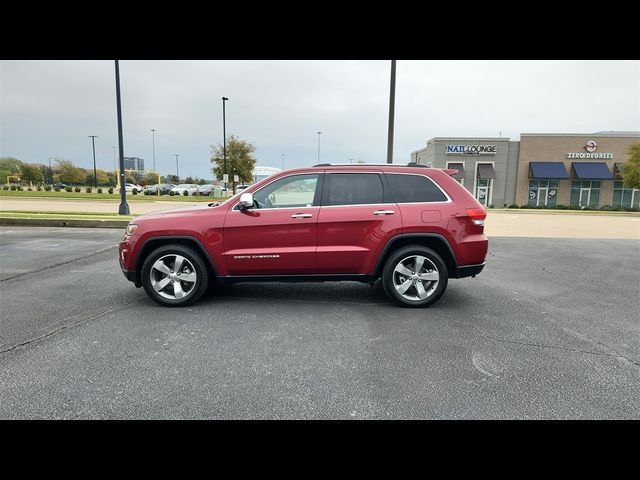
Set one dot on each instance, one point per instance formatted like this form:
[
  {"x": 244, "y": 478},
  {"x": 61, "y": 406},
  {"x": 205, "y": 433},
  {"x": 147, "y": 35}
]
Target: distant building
[
  {"x": 133, "y": 163},
  {"x": 260, "y": 173}
]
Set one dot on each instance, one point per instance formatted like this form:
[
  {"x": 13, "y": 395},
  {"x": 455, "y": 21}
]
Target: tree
[
  {"x": 151, "y": 178},
  {"x": 9, "y": 166},
  {"x": 69, "y": 173},
  {"x": 631, "y": 169},
  {"x": 239, "y": 159},
  {"x": 29, "y": 173},
  {"x": 173, "y": 179}
]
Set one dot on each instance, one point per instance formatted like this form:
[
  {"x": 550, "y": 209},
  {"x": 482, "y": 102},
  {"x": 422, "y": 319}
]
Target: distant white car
[
  {"x": 189, "y": 187},
  {"x": 240, "y": 188},
  {"x": 128, "y": 187}
]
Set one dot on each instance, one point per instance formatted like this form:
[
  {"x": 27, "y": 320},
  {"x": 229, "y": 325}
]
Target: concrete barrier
[{"x": 56, "y": 222}]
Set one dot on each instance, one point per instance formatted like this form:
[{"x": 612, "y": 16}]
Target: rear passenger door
[{"x": 357, "y": 217}]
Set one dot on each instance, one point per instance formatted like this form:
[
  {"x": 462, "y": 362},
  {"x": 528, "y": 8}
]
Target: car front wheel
[
  {"x": 175, "y": 275},
  {"x": 415, "y": 276}
]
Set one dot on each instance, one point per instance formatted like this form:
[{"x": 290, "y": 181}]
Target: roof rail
[{"x": 410, "y": 164}]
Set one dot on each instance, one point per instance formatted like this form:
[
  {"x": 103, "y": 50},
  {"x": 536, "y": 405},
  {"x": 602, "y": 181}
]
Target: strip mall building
[{"x": 540, "y": 169}]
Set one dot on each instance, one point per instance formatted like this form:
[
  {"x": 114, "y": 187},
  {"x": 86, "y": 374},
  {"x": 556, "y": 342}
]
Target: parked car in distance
[
  {"x": 128, "y": 187},
  {"x": 205, "y": 189},
  {"x": 189, "y": 187},
  {"x": 241, "y": 188},
  {"x": 164, "y": 188},
  {"x": 412, "y": 227},
  {"x": 58, "y": 185}
]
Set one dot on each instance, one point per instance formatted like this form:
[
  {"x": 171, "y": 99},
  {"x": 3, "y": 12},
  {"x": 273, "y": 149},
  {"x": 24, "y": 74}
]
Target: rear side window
[
  {"x": 414, "y": 189},
  {"x": 354, "y": 189}
]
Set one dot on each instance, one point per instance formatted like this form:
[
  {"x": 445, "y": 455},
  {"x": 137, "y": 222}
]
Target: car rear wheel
[
  {"x": 175, "y": 275},
  {"x": 415, "y": 276}
]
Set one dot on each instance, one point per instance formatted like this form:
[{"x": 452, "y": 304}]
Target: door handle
[
  {"x": 302, "y": 215},
  {"x": 384, "y": 212}
]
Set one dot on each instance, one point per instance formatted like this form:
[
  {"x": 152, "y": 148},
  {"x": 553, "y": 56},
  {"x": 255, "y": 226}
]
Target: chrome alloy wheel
[
  {"x": 173, "y": 277},
  {"x": 415, "y": 277}
]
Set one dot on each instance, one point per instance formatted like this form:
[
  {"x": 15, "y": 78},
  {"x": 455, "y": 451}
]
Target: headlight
[{"x": 131, "y": 228}]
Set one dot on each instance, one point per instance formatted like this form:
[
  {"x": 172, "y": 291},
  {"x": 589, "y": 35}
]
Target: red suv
[{"x": 412, "y": 226}]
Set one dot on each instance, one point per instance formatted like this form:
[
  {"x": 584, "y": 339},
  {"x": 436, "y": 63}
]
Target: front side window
[
  {"x": 287, "y": 192},
  {"x": 354, "y": 189},
  {"x": 414, "y": 189}
]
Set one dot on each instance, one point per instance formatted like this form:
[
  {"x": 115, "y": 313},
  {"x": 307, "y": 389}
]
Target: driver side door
[{"x": 278, "y": 236}]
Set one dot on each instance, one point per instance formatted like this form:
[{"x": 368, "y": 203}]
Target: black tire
[
  {"x": 402, "y": 254},
  {"x": 196, "y": 290}
]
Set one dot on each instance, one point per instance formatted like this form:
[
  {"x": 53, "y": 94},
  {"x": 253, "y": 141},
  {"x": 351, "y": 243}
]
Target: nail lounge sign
[{"x": 471, "y": 149}]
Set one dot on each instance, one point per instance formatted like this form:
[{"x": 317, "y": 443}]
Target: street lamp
[
  {"x": 392, "y": 103},
  {"x": 224, "y": 138},
  {"x": 177, "y": 174},
  {"x": 123, "y": 209},
  {"x": 319, "y": 133},
  {"x": 93, "y": 142},
  {"x": 50, "y": 172},
  {"x": 153, "y": 135}
]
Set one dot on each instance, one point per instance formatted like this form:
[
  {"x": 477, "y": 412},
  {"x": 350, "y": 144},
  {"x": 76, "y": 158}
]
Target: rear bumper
[{"x": 468, "y": 270}]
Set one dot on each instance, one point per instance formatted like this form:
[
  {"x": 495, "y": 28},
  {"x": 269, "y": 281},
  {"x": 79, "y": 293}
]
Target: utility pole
[
  {"x": 392, "y": 104},
  {"x": 224, "y": 138},
  {"x": 50, "y": 172},
  {"x": 124, "y": 207},
  {"x": 95, "y": 178},
  {"x": 153, "y": 136},
  {"x": 319, "y": 133}
]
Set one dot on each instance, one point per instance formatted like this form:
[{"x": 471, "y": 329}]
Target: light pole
[
  {"x": 93, "y": 142},
  {"x": 283, "y": 161},
  {"x": 224, "y": 138},
  {"x": 124, "y": 207},
  {"x": 177, "y": 174},
  {"x": 392, "y": 103},
  {"x": 153, "y": 136},
  {"x": 319, "y": 133},
  {"x": 50, "y": 172}
]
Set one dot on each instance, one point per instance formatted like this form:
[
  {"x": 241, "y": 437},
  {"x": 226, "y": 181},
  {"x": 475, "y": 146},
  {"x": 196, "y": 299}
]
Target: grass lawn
[{"x": 114, "y": 197}]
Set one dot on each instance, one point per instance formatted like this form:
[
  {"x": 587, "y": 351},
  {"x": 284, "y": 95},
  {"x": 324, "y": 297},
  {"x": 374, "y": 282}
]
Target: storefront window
[
  {"x": 625, "y": 197},
  {"x": 585, "y": 193},
  {"x": 483, "y": 191},
  {"x": 543, "y": 192}
]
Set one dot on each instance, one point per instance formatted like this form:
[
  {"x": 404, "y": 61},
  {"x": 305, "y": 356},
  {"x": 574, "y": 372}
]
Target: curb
[{"x": 59, "y": 222}]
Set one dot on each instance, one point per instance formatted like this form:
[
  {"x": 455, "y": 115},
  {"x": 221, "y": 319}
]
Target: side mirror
[{"x": 246, "y": 201}]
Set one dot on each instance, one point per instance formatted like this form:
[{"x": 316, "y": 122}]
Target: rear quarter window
[{"x": 414, "y": 189}]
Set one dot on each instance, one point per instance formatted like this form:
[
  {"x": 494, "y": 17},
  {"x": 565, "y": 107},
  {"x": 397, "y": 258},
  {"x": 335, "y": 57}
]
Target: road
[{"x": 550, "y": 329}]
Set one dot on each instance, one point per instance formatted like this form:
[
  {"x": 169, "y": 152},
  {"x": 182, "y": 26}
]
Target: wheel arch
[
  {"x": 152, "y": 243},
  {"x": 434, "y": 241}
]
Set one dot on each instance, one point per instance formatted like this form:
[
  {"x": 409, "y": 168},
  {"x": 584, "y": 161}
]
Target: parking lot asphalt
[{"x": 550, "y": 329}]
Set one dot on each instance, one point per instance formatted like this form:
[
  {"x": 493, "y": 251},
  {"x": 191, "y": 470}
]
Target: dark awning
[
  {"x": 591, "y": 171},
  {"x": 486, "y": 171},
  {"x": 460, "y": 168},
  {"x": 617, "y": 171},
  {"x": 548, "y": 170}
]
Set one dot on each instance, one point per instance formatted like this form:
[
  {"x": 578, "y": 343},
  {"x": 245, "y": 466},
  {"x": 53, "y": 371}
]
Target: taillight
[{"x": 477, "y": 215}]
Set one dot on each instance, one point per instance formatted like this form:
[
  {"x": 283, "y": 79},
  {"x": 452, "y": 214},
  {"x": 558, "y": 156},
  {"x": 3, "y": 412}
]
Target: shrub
[
  {"x": 29, "y": 189},
  {"x": 147, "y": 192},
  {"x": 171, "y": 193},
  {"x": 134, "y": 191},
  {"x": 185, "y": 193},
  {"x": 5, "y": 187},
  {"x": 13, "y": 188},
  {"x": 19, "y": 188},
  {"x": 88, "y": 189},
  {"x": 99, "y": 190},
  {"x": 47, "y": 188},
  {"x": 77, "y": 189},
  {"x": 513, "y": 205},
  {"x": 110, "y": 190},
  {"x": 57, "y": 189},
  {"x": 38, "y": 188},
  {"x": 68, "y": 189}
]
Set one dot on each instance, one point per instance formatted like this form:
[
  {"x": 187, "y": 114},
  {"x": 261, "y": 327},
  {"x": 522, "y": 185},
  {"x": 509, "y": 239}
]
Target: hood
[{"x": 174, "y": 212}]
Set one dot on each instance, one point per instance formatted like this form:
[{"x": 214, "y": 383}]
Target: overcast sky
[{"x": 48, "y": 108}]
